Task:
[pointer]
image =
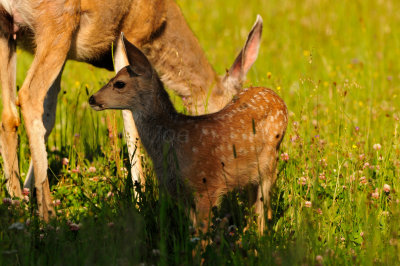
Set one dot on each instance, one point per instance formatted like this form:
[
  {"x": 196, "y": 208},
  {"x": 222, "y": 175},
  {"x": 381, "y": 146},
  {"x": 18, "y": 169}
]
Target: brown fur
[
  {"x": 205, "y": 155},
  {"x": 84, "y": 30}
]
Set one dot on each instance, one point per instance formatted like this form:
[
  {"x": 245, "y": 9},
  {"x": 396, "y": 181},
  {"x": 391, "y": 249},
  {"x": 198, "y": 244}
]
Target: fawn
[
  {"x": 84, "y": 30},
  {"x": 201, "y": 157}
]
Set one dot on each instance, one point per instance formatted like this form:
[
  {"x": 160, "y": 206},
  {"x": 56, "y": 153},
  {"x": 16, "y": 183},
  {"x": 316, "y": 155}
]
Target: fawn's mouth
[
  {"x": 96, "y": 106},
  {"x": 99, "y": 107}
]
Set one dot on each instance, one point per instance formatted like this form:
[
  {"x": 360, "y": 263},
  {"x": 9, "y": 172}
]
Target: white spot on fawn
[
  {"x": 195, "y": 150},
  {"x": 204, "y": 131}
]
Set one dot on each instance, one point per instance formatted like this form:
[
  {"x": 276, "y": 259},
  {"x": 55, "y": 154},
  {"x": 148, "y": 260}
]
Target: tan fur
[
  {"x": 206, "y": 155},
  {"x": 84, "y": 30}
]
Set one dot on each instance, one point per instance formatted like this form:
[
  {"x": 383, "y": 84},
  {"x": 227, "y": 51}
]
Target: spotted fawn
[{"x": 200, "y": 158}]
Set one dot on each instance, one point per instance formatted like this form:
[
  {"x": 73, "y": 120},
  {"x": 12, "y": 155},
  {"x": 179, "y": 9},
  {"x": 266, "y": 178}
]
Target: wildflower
[
  {"x": 363, "y": 180},
  {"x": 7, "y": 201},
  {"x": 94, "y": 179},
  {"x": 92, "y": 169},
  {"x": 109, "y": 194},
  {"x": 308, "y": 204},
  {"x": 306, "y": 53},
  {"x": 323, "y": 162},
  {"x": 377, "y": 146},
  {"x": 17, "y": 226},
  {"x": 362, "y": 234},
  {"x": 278, "y": 88},
  {"x": 232, "y": 229},
  {"x": 194, "y": 239},
  {"x": 156, "y": 252},
  {"x": 26, "y": 199},
  {"x": 28, "y": 222},
  {"x": 365, "y": 165},
  {"x": 319, "y": 259},
  {"x": 269, "y": 75},
  {"x": 361, "y": 156},
  {"x": 16, "y": 202},
  {"x": 386, "y": 188},
  {"x": 319, "y": 211},
  {"x": 57, "y": 202},
  {"x": 322, "y": 176},
  {"x": 357, "y": 129},
  {"x": 285, "y": 157},
  {"x": 302, "y": 181},
  {"x": 342, "y": 239},
  {"x": 25, "y": 191},
  {"x": 74, "y": 227},
  {"x": 76, "y": 170},
  {"x": 375, "y": 194},
  {"x": 65, "y": 161}
]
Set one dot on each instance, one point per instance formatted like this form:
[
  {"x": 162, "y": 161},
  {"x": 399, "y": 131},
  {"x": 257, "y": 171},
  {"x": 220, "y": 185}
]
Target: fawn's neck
[
  {"x": 156, "y": 121},
  {"x": 154, "y": 116},
  {"x": 181, "y": 62}
]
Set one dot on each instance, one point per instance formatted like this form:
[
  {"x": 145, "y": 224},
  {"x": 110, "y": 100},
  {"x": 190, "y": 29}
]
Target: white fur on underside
[
  {"x": 21, "y": 10},
  {"x": 7, "y": 5}
]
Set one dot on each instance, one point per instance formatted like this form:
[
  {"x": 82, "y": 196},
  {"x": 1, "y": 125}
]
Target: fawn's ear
[
  {"x": 136, "y": 59},
  {"x": 248, "y": 54}
]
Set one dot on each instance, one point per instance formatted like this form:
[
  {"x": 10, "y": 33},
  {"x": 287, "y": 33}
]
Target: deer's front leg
[
  {"x": 49, "y": 118},
  {"x": 55, "y": 24},
  {"x": 10, "y": 118}
]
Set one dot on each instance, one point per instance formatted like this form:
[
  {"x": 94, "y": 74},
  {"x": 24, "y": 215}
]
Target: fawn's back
[{"x": 227, "y": 149}]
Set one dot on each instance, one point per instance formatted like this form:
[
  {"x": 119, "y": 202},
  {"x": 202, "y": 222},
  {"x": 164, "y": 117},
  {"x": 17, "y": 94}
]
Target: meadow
[{"x": 336, "y": 200}]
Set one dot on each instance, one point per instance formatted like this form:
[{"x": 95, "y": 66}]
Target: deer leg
[
  {"x": 131, "y": 134},
  {"x": 10, "y": 117},
  {"x": 268, "y": 177},
  {"x": 36, "y": 99},
  {"x": 53, "y": 35},
  {"x": 49, "y": 118},
  {"x": 132, "y": 138}
]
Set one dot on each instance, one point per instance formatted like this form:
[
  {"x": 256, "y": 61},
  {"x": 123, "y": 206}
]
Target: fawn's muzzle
[{"x": 94, "y": 104}]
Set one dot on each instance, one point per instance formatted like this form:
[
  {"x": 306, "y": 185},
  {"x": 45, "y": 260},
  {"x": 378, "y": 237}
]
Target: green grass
[{"x": 335, "y": 64}]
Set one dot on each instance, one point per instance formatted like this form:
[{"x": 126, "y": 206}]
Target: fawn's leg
[
  {"x": 10, "y": 117},
  {"x": 267, "y": 180},
  {"x": 131, "y": 134},
  {"x": 55, "y": 22},
  {"x": 50, "y": 106}
]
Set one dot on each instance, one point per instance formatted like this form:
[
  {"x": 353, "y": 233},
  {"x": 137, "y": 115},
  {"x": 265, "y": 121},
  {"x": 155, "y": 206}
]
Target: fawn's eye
[{"x": 119, "y": 84}]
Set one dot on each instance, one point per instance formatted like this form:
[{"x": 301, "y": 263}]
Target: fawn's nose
[{"x": 92, "y": 101}]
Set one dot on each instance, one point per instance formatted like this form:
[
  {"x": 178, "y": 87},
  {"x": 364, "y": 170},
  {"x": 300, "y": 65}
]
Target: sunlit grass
[{"x": 336, "y": 201}]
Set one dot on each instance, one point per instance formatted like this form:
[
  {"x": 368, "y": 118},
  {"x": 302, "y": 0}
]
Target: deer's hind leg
[
  {"x": 10, "y": 117},
  {"x": 131, "y": 134},
  {"x": 268, "y": 176}
]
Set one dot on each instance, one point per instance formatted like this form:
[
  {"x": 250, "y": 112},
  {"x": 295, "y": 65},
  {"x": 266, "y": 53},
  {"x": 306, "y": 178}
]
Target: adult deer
[
  {"x": 201, "y": 156},
  {"x": 84, "y": 30}
]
